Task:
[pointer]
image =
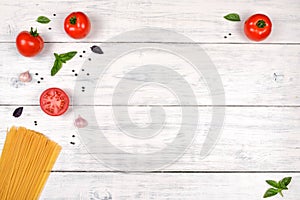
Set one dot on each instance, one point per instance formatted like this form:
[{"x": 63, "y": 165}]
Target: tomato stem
[
  {"x": 261, "y": 23},
  {"x": 73, "y": 20},
  {"x": 34, "y": 33}
]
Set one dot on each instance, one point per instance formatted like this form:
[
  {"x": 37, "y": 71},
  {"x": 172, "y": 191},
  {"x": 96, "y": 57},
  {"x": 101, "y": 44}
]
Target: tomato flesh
[{"x": 54, "y": 101}]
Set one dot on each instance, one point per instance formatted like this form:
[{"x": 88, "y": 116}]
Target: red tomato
[
  {"x": 77, "y": 25},
  {"x": 258, "y": 27},
  {"x": 29, "y": 43},
  {"x": 54, "y": 101}
]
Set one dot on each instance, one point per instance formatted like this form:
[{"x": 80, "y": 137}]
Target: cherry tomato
[
  {"x": 29, "y": 43},
  {"x": 258, "y": 27},
  {"x": 54, "y": 101},
  {"x": 77, "y": 25}
]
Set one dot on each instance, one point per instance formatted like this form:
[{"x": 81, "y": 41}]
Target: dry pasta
[{"x": 25, "y": 164}]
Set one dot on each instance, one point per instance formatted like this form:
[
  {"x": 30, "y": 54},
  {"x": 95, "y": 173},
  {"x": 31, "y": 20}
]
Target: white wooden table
[{"x": 260, "y": 138}]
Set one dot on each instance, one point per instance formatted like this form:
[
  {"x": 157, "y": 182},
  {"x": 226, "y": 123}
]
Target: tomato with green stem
[
  {"x": 77, "y": 25},
  {"x": 29, "y": 43},
  {"x": 258, "y": 27}
]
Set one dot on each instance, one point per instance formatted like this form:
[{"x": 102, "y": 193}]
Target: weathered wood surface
[
  {"x": 261, "y": 83},
  {"x": 247, "y": 72},
  {"x": 202, "y": 21},
  {"x": 253, "y": 139},
  {"x": 164, "y": 186}
]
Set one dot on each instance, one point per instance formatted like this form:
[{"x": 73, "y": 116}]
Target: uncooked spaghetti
[{"x": 25, "y": 164}]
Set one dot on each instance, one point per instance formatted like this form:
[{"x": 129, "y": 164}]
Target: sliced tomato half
[{"x": 54, "y": 101}]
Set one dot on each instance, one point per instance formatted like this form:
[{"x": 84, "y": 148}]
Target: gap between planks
[
  {"x": 173, "y": 172},
  {"x": 148, "y": 42},
  {"x": 149, "y": 105}
]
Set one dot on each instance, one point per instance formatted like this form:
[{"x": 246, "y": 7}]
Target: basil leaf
[
  {"x": 56, "y": 56},
  {"x": 232, "y": 17},
  {"x": 43, "y": 20},
  {"x": 96, "y": 49},
  {"x": 270, "y": 192},
  {"x": 286, "y": 181},
  {"x": 273, "y": 183},
  {"x": 282, "y": 185},
  {"x": 18, "y": 112},
  {"x": 60, "y": 59},
  {"x": 56, "y": 67},
  {"x": 67, "y": 56}
]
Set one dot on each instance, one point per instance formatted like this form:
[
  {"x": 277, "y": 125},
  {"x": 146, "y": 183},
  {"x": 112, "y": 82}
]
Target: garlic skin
[
  {"x": 25, "y": 77},
  {"x": 80, "y": 122}
]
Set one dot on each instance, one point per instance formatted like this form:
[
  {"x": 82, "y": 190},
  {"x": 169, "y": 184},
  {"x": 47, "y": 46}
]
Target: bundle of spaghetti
[{"x": 25, "y": 164}]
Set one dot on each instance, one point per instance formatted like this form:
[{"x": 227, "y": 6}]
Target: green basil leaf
[
  {"x": 56, "y": 56},
  {"x": 232, "y": 17},
  {"x": 60, "y": 59},
  {"x": 270, "y": 192},
  {"x": 286, "y": 181},
  {"x": 56, "y": 67},
  {"x": 43, "y": 20},
  {"x": 67, "y": 56},
  {"x": 282, "y": 185},
  {"x": 273, "y": 183}
]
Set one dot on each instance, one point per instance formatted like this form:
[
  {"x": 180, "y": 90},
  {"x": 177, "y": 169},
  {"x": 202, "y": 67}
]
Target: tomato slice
[{"x": 54, "y": 101}]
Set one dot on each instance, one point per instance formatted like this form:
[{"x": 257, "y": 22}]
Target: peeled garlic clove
[
  {"x": 25, "y": 77},
  {"x": 80, "y": 122}
]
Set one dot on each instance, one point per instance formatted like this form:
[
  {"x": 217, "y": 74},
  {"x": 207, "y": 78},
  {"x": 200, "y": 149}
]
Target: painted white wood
[
  {"x": 164, "y": 186},
  {"x": 253, "y": 138},
  {"x": 200, "y": 20},
  {"x": 247, "y": 73}
]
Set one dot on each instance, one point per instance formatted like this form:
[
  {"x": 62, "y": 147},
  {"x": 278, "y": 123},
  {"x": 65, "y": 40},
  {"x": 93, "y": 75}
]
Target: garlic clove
[
  {"x": 80, "y": 122},
  {"x": 25, "y": 77}
]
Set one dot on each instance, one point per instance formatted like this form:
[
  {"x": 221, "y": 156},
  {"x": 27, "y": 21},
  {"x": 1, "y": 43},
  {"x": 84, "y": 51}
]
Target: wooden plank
[
  {"x": 164, "y": 186},
  {"x": 251, "y": 74},
  {"x": 202, "y": 21},
  {"x": 253, "y": 138}
]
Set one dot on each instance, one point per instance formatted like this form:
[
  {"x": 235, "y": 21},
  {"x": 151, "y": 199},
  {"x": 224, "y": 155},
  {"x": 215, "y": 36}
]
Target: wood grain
[
  {"x": 253, "y": 138},
  {"x": 251, "y": 74},
  {"x": 164, "y": 186},
  {"x": 261, "y": 129},
  {"x": 202, "y": 21}
]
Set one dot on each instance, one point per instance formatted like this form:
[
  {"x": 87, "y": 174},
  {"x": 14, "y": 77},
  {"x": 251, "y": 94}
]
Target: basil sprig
[
  {"x": 60, "y": 59},
  {"x": 43, "y": 20},
  {"x": 277, "y": 187}
]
